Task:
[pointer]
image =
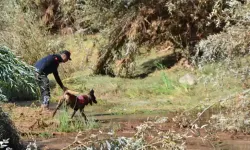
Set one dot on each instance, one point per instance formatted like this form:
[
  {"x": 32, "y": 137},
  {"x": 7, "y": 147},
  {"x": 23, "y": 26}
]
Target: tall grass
[
  {"x": 168, "y": 85},
  {"x": 64, "y": 122},
  {"x": 23, "y": 33},
  {"x": 167, "y": 82},
  {"x": 76, "y": 124}
]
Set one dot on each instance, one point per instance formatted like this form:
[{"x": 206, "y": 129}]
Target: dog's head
[{"x": 92, "y": 95}]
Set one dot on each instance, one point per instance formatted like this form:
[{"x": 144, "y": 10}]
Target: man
[{"x": 46, "y": 66}]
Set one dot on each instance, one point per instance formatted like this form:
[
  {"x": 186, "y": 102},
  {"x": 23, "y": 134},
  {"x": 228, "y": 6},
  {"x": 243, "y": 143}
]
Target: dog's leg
[
  {"x": 58, "y": 105},
  {"x": 67, "y": 105},
  {"x": 84, "y": 116},
  {"x": 73, "y": 113}
]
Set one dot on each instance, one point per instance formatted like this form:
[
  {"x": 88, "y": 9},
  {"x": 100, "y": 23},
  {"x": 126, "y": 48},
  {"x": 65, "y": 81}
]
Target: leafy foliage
[
  {"x": 2, "y": 96},
  {"x": 17, "y": 79},
  {"x": 232, "y": 42}
]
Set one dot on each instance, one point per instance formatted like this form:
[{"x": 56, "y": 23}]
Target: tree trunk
[{"x": 102, "y": 61}]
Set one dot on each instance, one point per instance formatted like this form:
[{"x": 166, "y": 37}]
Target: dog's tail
[{"x": 71, "y": 92}]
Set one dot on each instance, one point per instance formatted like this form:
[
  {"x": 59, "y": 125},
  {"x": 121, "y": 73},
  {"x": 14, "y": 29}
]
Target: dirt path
[{"x": 33, "y": 124}]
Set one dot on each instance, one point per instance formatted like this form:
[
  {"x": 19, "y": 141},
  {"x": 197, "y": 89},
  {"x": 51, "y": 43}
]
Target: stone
[{"x": 188, "y": 78}]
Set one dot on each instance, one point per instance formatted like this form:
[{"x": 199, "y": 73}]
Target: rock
[
  {"x": 188, "y": 79},
  {"x": 162, "y": 120},
  {"x": 247, "y": 122}
]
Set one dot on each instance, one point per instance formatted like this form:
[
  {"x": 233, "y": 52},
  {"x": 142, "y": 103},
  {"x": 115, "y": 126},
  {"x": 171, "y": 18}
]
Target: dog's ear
[{"x": 92, "y": 91}]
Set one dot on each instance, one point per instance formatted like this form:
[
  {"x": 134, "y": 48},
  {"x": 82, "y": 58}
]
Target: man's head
[{"x": 65, "y": 55}]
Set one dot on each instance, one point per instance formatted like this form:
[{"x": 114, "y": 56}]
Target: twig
[
  {"x": 221, "y": 100},
  {"x": 152, "y": 146},
  {"x": 75, "y": 141}
]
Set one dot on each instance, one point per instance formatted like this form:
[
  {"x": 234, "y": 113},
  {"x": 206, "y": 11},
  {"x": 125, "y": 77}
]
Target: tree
[{"x": 153, "y": 22}]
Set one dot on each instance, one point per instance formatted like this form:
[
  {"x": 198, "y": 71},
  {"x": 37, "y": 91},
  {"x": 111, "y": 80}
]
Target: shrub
[
  {"x": 17, "y": 79},
  {"x": 235, "y": 41},
  {"x": 2, "y": 96}
]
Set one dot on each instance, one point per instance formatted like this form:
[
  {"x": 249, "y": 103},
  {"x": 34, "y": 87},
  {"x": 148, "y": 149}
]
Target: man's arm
[{"x": 58, "y": 80}]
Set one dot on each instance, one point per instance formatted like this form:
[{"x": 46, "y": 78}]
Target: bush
[
  {"x": 17, "y": 79},
  {"x": 2, "y": 96},
  {"x": 235, "y": 41}
]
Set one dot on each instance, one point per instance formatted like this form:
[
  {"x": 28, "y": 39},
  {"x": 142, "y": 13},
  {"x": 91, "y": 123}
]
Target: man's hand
[{"x": 65, "y": 89}]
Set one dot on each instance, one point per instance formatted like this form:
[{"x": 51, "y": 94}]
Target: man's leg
[{"x": 45, "y": 90}]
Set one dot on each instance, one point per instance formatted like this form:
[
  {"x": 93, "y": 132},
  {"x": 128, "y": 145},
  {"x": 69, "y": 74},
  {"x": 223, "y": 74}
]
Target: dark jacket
[{"x": 48, "y": 65}]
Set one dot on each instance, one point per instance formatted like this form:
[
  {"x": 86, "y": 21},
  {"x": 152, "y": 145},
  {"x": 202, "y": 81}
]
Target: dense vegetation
[
  {"x": 211, "y": 35},
  {"x": 127, "y": 26},
  {"x": 17, "y": 79}
]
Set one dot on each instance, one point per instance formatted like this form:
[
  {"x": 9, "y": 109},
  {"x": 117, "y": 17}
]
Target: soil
[{"x": 33, "y": 124}]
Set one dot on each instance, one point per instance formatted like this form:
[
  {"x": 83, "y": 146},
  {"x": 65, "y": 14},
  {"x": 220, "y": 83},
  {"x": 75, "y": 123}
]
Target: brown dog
[{"x": 76, "y": 102}]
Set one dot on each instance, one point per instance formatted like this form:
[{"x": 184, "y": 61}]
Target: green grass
[
  {"x": 66, "y": 124},
  {"x": 45, "y": 135},
  {"x": 160, "y": 91}
]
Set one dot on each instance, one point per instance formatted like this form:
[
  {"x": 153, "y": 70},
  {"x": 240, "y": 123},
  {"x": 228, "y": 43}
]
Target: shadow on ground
[{"x": 152, "y": 65}]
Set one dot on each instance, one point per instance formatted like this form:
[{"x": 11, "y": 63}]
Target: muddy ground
[{"x": 42, "y": 128}]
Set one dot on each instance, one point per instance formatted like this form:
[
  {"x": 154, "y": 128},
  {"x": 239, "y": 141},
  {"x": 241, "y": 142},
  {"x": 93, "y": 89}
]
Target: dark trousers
[{"x": 43, "y": 83}]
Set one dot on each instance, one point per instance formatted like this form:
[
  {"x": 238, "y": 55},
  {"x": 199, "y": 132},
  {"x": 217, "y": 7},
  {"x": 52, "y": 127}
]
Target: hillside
[{"x": 176, "y": 69}]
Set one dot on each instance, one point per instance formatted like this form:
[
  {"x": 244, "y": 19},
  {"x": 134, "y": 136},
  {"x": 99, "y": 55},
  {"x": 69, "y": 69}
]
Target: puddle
[{"x": 127, "y": 118}]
